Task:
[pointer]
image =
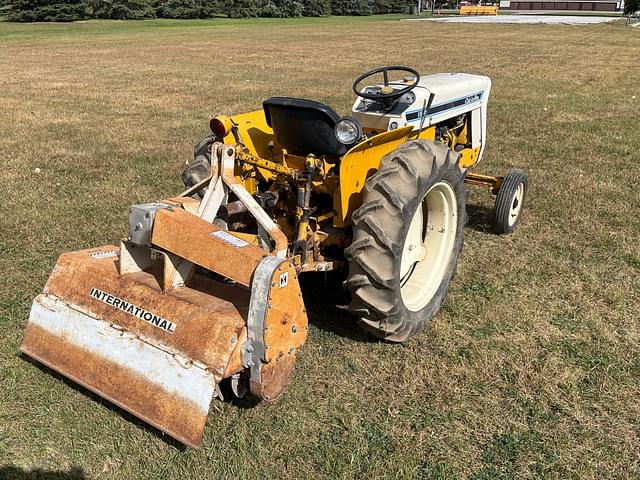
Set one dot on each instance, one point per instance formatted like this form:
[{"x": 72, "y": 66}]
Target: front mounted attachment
[{"x": 155, "y": 325}]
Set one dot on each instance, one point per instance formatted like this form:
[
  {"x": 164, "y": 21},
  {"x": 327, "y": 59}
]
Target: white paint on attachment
[{"x": 164, "y": 369}]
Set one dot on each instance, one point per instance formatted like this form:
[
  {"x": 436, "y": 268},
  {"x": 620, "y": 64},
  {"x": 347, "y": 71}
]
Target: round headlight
[{"x": 348, "y": 130}]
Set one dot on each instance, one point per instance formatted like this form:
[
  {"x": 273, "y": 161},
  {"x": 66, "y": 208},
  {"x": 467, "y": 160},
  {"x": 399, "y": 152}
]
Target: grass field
[{"x": 530, "y": 370}]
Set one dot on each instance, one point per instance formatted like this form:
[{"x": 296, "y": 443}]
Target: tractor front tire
[
  {"x": 509, "y": 201},
  {"x": 407, "y": 236}
]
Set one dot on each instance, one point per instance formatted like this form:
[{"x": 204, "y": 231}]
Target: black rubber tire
[
  {"x": 200, "y": 167},
  {"x": 390, "y": 199},
  {"x": 505, "y": 201}
]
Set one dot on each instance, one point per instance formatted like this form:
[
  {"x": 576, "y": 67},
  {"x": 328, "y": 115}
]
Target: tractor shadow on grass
[
  {"x": 480, "y": 218},
  {"x": 325, "y": 300},
  {"x": 10, "y": 472}
]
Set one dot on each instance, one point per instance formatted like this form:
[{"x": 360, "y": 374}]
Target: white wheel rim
[
  {"x": 427, "y": 249},
  {"x": 516, "y": 204}
]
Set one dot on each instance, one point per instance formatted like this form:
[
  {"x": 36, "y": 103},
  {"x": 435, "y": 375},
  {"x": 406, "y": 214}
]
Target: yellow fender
[{"x": 360, "y": 163}]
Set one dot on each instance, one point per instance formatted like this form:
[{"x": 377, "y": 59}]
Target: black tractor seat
[{"x": 303, "y": 126}]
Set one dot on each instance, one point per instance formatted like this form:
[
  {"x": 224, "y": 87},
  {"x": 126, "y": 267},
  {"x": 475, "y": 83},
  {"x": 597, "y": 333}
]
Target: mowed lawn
[{"x": 530, "y": 370}]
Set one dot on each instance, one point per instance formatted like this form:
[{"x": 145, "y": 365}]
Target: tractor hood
[{"x": 453, "y": 94}]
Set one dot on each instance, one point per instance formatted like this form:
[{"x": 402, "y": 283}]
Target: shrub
[
  {"x": 184, "y": 8},
  {"x": 123, "y": 9},
  {"x": 352, "y": 7},
  {"x": 49, "y": 11},
  {"x": 316, "y": 8}
]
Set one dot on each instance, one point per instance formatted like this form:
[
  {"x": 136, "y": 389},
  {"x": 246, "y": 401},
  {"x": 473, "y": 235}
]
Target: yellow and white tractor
[{"x": 204, "y": 288}]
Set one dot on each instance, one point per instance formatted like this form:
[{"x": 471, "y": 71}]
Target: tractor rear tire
[{"x": 407, "y": 236}]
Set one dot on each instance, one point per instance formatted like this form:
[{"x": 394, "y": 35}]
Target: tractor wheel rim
[
  {"x": 516, "y": 205},
  {"x": 428, "y": 246}
]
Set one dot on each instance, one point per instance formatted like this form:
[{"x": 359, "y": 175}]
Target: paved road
[{"x": 551, "y": 19}]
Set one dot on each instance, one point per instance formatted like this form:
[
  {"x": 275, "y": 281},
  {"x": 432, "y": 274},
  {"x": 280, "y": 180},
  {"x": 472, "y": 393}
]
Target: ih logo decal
[{"x": 284, "y": 280}]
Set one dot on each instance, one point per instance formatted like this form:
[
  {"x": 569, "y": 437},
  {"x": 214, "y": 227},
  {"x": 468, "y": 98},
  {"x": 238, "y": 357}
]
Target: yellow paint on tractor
[
  {"x": 356, "y": 166},
  {"x": 205, "y": 287},
  {"x": 362, "y": 161},
  {"x": 469, "y": 157}
]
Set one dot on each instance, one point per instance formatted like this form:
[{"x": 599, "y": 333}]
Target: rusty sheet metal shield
[{"x": 106, "y": 332}]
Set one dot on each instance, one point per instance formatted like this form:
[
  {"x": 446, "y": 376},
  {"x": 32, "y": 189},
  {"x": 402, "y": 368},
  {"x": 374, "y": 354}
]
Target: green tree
[
  {"x": 631, "y": 6},
  {"x": 264, "y": 8},
  {"x": 352, "y": 7},
  {"x": 392, "y": 6},
  {"x": 316, "y": 8},
  {"x": 49, "y": 10},
  {"x": 270, "y": 9},
  {"x": 289, "y": 8},
  {"x": 184, "y": 8},
  {"x": 242, "y": 8},
  {"x": 123, "y": 9},
  {"x": 5, "y": 6}
]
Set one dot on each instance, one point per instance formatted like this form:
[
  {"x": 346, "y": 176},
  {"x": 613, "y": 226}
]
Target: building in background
[{"x": 567, "y": 5}]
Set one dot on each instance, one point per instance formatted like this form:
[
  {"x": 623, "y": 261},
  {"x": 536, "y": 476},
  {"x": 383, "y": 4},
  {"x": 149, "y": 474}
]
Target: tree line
[{"x": 70, "y": 10}]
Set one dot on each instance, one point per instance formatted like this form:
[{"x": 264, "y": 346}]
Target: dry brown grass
[{"x": 530, "y": 370}]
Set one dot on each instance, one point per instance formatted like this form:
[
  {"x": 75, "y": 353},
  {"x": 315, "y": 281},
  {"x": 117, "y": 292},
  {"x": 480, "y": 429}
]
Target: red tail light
[{"x": 218, "y": 128}]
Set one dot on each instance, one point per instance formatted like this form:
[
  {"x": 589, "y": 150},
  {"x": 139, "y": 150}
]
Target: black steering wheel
[{"x": 386, "y": 97}]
